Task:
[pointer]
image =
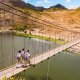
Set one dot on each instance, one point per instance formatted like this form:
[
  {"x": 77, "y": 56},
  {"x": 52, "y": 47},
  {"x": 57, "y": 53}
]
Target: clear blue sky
[{"x": 47, "y": 3}]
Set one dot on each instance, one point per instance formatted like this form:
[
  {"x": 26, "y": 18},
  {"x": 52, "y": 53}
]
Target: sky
[{"x": 70, "y": 4}]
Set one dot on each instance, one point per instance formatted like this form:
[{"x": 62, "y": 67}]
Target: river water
[{"x": 63, "y": 66}]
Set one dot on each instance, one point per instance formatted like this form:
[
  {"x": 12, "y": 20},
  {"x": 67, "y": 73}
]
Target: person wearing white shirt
[
  {"x": 18, "y": 56},
  {"x": 27, "y": 56}
]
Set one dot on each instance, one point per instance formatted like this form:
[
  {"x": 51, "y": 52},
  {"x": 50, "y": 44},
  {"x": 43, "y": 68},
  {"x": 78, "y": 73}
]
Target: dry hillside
[
  {"x": 69, "y": 19},
  {"x": 47, "y": 22}
]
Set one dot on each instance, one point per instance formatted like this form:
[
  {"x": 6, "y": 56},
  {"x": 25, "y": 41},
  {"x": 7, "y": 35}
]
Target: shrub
[{"x": 20, "y": 27}]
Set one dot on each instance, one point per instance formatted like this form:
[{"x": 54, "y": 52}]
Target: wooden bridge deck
[{"x": 13, "y": 70}]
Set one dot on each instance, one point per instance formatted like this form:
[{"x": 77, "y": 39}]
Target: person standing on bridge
[
  {"x": 23, "y": 55},
  {"x": 27, "y": 57},
  {"x": 18, "y": 56}
]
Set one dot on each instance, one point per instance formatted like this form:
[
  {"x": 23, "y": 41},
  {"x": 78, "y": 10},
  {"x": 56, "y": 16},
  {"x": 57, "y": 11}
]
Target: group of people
[{"x": 23, "y": 56}]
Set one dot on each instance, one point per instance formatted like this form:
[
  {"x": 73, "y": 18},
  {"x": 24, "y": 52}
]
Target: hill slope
[{"x": 67, "y": 19}]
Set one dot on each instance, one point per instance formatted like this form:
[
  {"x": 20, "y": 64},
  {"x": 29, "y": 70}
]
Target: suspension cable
[
  {"x": 1, "y": 25},
  {"x": 43, "y": 42},
  {"x": 13, "y": 43},
  {"x": 4, "y": 16},
  {"x": 48, "y": 69},
  {"x": 49, "y": 60},
  {"x": 34, "y": 47},
  {"x": 24, "y": 22}
]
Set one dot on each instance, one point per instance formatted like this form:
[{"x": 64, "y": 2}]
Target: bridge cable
[
  {"x": 34, "y": 48},
  {"x": 49, "y": 60},
  {"x": 24, "y": 22},
  {"x": 2, "y": 37},
  {"x": 1, "y": 25},
  {"x": 48, "y": 69},
  {"x": 43, "y": 35},
  {"x": 13, "y": 43}
]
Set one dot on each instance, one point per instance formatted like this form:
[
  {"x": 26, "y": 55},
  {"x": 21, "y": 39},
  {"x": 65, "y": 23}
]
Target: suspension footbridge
[
  {"x": 13, "y": 70},
  {"x": 17, "y": 14}
]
